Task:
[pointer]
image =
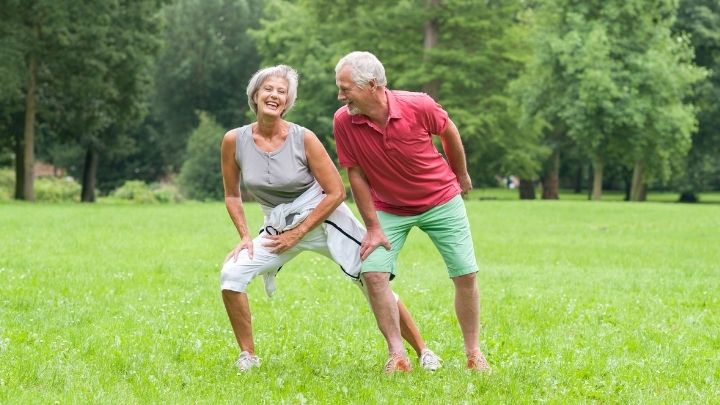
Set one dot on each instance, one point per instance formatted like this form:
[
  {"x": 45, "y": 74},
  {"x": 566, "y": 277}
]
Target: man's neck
[{"x": 381, "y": 110}]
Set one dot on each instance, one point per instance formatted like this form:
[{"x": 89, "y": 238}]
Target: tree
[
  {"x": 617, "y": 80},
  {"x": 200, "y": 177},
  {"x": 700, "y": 19},
  {"x": 205, "y": 63},
  {"x": 86, "y": 71},
  {"x": 33, "y": 35},
  {"x": 462, "y": 52},
  {"x": 133, "y": 40}
]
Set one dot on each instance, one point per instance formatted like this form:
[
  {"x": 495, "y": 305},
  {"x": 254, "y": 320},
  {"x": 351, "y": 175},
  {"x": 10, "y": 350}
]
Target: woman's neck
[{"x": 269, "y": 126}]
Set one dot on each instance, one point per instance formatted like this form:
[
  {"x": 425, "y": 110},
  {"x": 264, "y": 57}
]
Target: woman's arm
[
  {"x": 233, "y": 200},
  {"x": 326, "y": 174}
]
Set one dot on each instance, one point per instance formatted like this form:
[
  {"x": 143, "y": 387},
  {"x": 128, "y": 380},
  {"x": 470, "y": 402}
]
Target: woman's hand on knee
[{"x": 245, "y": 244}]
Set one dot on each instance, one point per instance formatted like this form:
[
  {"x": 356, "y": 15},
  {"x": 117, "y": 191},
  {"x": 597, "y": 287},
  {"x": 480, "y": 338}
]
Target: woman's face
[{"x": 271, "y": 97}]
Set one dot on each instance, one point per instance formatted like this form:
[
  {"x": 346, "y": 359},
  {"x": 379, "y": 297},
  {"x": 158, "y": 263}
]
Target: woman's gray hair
[
  {"x": 281, "y": 71},
  {"x": 364, "y": 67}
]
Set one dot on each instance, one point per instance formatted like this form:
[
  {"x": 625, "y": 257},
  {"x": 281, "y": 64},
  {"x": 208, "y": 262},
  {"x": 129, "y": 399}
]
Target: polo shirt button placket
[{"x": 268, "y": 179}]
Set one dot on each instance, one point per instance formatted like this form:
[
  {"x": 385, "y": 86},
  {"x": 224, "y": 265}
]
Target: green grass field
[{"x": 581, "y": 302}]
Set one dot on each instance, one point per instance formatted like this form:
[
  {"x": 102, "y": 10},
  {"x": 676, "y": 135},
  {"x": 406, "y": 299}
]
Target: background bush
[
  {"x": 7, "y": 183},
  {"x": 57, "y": 189},
  {"x": 138, "y": 191},
  {"x": 166, "y": 193},
  {"x": 135, "y": 191},
  {"x": 200, "y": 177}
]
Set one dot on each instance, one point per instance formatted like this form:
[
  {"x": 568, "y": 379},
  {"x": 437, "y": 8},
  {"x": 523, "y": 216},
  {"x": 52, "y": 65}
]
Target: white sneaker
[
  {"x": 246, "y": 361},
  {"x": 429, "y": 360}
]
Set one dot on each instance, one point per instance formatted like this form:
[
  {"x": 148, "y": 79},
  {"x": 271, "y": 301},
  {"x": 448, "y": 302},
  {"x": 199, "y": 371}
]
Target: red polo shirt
[{"x": 407, "y": 174}]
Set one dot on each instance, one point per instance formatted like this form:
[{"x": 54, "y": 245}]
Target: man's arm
[
  {"x": 453, "y": 147},
  {"x": 361, "y": 193}
]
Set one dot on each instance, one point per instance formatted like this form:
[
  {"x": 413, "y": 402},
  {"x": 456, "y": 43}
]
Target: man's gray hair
[
  {"x": 364, "y": 67},
  {"x": 281, "y": 71}
]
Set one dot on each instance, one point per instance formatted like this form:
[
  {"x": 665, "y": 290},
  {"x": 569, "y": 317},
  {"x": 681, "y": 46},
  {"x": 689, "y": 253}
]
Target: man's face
[{"x": 356, "y": 98}]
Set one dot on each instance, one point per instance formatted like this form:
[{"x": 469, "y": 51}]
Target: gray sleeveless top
[{"x": 276, "y": 177}]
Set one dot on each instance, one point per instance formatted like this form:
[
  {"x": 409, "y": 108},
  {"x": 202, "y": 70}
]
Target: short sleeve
[
  {"x": 346, "y": 157},
  {"x": 436, "y": 118}
]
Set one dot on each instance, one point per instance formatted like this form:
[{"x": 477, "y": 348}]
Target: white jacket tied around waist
[{"x": 344, "y": 232}]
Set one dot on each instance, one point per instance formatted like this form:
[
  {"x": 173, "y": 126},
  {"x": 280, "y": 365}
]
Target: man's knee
[
  {"x": 466, "y": 281},
  {"x": 376, "y": 280}
]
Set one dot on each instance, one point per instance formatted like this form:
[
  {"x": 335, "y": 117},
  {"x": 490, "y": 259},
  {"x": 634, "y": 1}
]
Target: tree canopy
[{"x": 547, "y": 90}]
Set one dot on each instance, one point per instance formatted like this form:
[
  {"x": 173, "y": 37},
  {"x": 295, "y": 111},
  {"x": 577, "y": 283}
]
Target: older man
[{"x": 399, "y": 180}]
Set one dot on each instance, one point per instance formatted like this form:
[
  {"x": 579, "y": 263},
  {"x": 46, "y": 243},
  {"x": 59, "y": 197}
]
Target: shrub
[
  {"x": 57, "y": 189},
  {"x": 200, "y": 177},
  {"x": 135, "y": 191},
  {"x": 166, "y": 193},
  {"x": 7, "y": 184}
]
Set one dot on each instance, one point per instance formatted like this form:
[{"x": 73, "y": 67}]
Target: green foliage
[
  {"x": 135, "y": 191},
  {"x": 57, "y": 189},
  {"x": 477, "y": 54},
  {"x": 291, "y": 33},
  {"x": 166, "y": 193},
  {"x": 205, "y": 63},
  {"x": 200, "y": 176},
  {"x": 611, "y": 76},
  {"x": 93, "y": 73},
  {"x": 7, "y": 184},
  {"x": 700, "y": 19},
  {"x": 613, "y": 80}
]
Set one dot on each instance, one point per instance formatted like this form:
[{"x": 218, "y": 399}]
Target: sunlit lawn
[
  {"x": 607, "y": 196},
  {"x": 582, "y": 302}
]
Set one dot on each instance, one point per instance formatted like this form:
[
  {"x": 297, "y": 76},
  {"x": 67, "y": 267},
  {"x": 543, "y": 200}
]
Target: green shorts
[{"x": 446, "y": 225}]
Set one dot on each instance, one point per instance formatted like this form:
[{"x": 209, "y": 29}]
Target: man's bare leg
[
  {"x": 385, "y": 309},
  {"x": 467, "y": 309}
]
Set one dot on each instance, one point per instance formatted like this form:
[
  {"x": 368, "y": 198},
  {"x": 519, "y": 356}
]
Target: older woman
[{"x": 287, "y": 169}]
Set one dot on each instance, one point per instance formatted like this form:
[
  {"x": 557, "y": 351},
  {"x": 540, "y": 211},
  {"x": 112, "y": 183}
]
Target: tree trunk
[
  {"x": 28, "y": 177},
  {"x": 551, "y": 180},
  {"x": 637, "y": 192},
  {"x": 89, "y": 175},
  {"x": 526, "y": 189},
  {"x": 597, "y": 178},
  {"x": 432, "y": 33},
  {"x": 578, "y": 180},
  {"x": 628, "y": 187},
  {"x": 19, "y": 166},
  {"x": 688, "y": 197}
]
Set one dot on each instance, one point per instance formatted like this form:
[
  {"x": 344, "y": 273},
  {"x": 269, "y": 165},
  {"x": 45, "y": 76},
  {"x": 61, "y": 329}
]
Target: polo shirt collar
[
  {"x": 393, "y": 107},
  {"x": 393, "y": 110}
]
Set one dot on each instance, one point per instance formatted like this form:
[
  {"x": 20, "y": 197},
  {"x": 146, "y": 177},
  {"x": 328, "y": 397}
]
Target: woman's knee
[{"x": 234, "y": 277}]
